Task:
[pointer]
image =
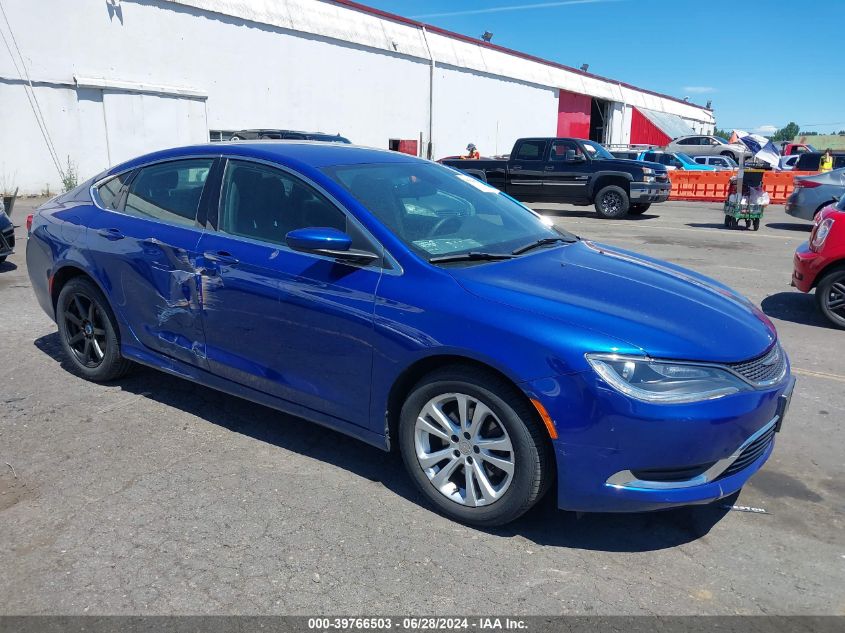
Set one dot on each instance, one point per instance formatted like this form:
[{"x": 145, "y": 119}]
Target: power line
[{"x": 30, "y": 94}]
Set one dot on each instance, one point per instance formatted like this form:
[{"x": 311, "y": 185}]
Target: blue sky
[{"x": 702, "y": 49}]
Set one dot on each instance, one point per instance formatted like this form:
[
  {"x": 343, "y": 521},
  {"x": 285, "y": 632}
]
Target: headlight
[
  {"x": 821, "y": 233},
  {"x": 664, "y": 382}
]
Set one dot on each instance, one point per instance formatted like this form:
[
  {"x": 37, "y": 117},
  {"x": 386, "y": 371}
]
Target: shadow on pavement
[
  {"x": 573, "y": 213},
  {"x": 7, "y": 267},
  {"x": 791, "y": 226},
  {"x": 545, "y": 524},
  {"x": 796, "y": 307}
]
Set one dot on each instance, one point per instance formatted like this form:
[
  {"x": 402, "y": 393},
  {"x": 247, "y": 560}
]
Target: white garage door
[{"x": 140, "y": 123}]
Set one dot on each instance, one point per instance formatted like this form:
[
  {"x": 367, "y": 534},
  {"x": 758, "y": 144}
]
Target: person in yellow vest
[
  {"x": 472, "y": 152},
  {"x": 826, "y": 161}
]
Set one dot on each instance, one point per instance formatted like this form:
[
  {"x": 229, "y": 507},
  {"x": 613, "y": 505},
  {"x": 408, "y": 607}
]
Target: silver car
[
  {"x": 721, "y": 163},
  {"x": 702, "y": 145},
  {"x": 814, "y": 193}
]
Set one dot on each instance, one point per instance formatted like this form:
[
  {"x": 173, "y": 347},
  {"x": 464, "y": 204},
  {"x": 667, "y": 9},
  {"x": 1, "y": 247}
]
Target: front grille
[
  {"x": 662, "y": 176},
  {"x": 751, "y": 453},
  {"x": 768, "y": 369}
]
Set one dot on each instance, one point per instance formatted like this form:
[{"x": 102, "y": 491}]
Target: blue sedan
[{"x": 416, "y": 308}]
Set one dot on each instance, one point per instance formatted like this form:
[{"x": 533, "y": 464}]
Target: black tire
[
  {"x": 3, "y": 258},
  {"x": 829, "y": 291},
  {"x": 533, "y": 463},
  {"x": 638, "y": 209},
  {"x": 93, "y": 353},
  {"x": 728, "y": 221},
  {"x": 612, "y": 202},
  {"x": 732, "y": 156},
  {"x": 236, "y": 138},
  {"x": 756, "y": 224}
]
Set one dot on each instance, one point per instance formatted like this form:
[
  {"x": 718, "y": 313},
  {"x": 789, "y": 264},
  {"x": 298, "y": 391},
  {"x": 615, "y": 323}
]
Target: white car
[
  {"x": 705, "y": 145},
  {"x": 721, "y": 163},
  {"x": 787, "y": 163}
]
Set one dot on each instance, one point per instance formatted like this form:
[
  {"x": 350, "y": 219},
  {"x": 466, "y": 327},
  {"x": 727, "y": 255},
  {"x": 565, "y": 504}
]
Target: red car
[{"x": 820, "y": 263}]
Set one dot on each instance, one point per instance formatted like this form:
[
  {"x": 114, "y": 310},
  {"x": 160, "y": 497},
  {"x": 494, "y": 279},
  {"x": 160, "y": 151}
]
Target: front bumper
[
  {"x": 806, "y": 265},
  {"x": 615, "y": 454},
  {"x": 642, "y": 192}
]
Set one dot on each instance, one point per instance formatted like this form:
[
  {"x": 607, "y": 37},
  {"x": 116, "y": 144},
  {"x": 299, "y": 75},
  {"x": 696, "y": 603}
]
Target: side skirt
[{"x": 202, "y": 377}]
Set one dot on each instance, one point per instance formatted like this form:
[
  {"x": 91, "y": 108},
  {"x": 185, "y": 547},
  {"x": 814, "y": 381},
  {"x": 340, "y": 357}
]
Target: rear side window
[
  {"x": 531, "y": 150},
  {"x": 169, "y": 192},
  {"x": 110, "y": 190},
  {"x": 266, "y": 204}
]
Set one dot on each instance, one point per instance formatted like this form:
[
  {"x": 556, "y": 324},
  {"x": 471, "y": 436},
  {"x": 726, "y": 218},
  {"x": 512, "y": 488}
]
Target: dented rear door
[{"x": 147, "y": 258}]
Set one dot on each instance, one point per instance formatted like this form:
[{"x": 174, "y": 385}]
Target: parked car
[
  {"x": 820, "y": 263},
  {"x": 813, "y": 193},
  {"x": 625, "y": 154},
  {"x": 674, "y": 160},
  {"x": 7, "y": 235},
  {"x": 787, "y": 163},
  {"x": 415, "y": 307},
  {"x": 809, "y": 161},
  {"x": 287, "y": 135},
  {"x": 707, "y": 145},
  {"x": 574, "y": 171},
  {"x": 720, "y": 163}
]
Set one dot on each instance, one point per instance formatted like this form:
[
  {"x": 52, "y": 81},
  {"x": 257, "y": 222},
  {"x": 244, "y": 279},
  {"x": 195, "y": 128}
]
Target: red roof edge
[{"x": 509, "y": 51}]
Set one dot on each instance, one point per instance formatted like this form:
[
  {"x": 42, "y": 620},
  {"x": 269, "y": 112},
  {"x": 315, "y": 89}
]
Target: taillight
[
  {"x": 820, "y": 233},
  {"x": 806, "y": 184},
  {"x": 29, "y": 223}
]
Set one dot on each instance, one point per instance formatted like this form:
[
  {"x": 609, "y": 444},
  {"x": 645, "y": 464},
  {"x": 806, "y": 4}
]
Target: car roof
[{"x": 309, "y": 153}]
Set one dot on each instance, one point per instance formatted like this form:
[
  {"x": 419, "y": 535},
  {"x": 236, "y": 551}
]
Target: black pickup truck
[{"x": 574, "y": 171}]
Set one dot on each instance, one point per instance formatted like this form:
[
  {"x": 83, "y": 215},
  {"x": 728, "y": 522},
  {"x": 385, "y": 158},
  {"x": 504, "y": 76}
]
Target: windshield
[
  {"x": 328, "y": 138},
  {"x": 439, "y": 211},
  {"x": 595, "y": 150}
]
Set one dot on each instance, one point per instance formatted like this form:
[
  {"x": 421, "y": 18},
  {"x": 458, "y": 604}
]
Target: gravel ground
[{"x": 157, "y": 496}]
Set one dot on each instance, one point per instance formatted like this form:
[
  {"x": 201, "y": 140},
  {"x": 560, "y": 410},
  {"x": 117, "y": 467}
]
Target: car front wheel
[
  {"x": 830, "y": 297},
  {"x": 88, "y": 332},
  {"x": 612, "y": 202},
  {"x": 474, "y": 446}
]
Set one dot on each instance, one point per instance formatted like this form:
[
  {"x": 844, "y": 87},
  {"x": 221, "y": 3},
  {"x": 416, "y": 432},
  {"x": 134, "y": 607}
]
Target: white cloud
[
  {"x": 766, "y": 129},
  {"x": 516, "y": 7},
  {"x": 699, "y": 90}
]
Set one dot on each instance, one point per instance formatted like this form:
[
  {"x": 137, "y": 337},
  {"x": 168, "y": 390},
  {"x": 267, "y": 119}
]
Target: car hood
[{"x": 660, "y": 308}]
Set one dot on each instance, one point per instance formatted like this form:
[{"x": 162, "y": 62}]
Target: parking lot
[{"x": 156, "y": 496}]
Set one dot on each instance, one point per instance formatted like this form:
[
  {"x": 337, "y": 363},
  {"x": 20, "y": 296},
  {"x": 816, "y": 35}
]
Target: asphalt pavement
[{"x": 156, "y": 496}]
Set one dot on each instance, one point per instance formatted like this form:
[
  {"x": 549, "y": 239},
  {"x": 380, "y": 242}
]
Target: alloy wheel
[
  {"x": 834, "y": 298},
  {"x": 464, "y": 449},
  {"x": 86, "y": 332},
  {"x": 611, "y": 203}
]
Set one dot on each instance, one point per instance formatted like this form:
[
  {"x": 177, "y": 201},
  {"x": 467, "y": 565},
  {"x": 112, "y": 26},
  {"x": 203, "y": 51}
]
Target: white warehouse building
[{"x": 97, "y": 82}]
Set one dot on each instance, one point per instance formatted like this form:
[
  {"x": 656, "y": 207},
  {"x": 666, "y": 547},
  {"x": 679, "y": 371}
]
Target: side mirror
[
  {"x": 329, "y": 242},
  {"x": 572, "y": 157}
]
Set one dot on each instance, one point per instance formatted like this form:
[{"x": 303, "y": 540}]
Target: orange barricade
[{"x": 712, "y": 186}]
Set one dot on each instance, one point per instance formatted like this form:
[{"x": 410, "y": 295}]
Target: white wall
[
  {"x": 491, "y": 112},
  {"x": 180, "y": 67}
]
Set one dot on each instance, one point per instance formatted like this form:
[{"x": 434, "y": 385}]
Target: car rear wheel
[
  {"x": 612, "y": 202},
  {"x": 638, "y": 209},
  {"x": 474, "y": 446},
  {"x": 830, "y": 297},
  {"x": 732, "y": 156},
  {"x": 88, "y": 332}
]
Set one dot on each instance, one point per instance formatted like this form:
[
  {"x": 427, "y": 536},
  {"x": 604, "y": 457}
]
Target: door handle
[
  {"x": 110, "y": 234},
  {"x": 516, "y": 167},
  {"x": 549, "y": 167},
  {"x": 221, "y": 257}
]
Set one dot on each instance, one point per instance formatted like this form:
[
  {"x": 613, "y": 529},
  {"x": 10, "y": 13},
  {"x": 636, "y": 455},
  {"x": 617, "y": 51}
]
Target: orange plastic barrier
[{"x": 712, "y": 186}]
